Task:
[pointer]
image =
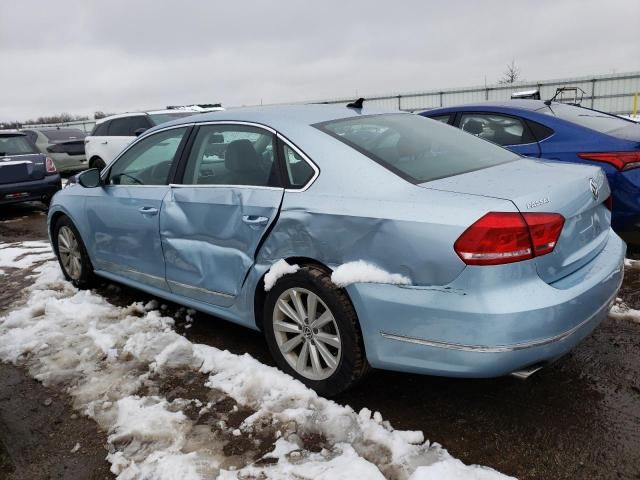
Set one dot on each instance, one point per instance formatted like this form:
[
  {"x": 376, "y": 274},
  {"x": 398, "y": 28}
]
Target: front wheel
[
  {"x": 72, "y": 254},
  {"x": 313, "y": 333}
]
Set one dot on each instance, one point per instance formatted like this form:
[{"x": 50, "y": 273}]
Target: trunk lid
[
  {"x": 22, "y": 168},
  {"x": 576, "y": 192}
]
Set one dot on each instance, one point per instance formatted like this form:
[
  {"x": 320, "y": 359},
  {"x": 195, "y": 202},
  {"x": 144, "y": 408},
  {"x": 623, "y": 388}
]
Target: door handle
[
  {"x": 148, "y": 211},
  {"x": 254, "y": 220},
  {"x": 104, "y": 143}
]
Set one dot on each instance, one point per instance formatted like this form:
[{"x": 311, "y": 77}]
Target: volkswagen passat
[{"x": 455, "y": 257}]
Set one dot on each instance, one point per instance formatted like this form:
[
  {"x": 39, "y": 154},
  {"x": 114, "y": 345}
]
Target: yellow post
[{"x": 635, "y": 104}]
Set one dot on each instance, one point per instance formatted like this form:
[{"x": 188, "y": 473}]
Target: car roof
[
  {"x": 152, "y": 112},
  {"x": 281, "y": 117},
  {"x": 11, "y": 132},
  {"x": 521, "y": 104}
]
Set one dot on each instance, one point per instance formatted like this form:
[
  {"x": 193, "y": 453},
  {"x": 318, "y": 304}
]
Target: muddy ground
[{"x": 577, "y": 419}]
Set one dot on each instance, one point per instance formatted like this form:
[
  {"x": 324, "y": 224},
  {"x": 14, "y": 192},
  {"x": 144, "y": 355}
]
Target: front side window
[
  {"x": 127, "y": 126},
  {"x": 149, "y": 161},
  {"x": 232, "y": 155},
  {"x": 442, "y": 118},
  {"x": 17, "y": 144},
  {"x": 299, "y": 172},
  {"x": 415, "y": 148},
  {"x": 500, "y": 129}
]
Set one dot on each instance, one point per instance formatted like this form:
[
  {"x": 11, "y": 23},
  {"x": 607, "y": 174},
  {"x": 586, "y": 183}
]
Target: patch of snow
[
  {"x": 630, "y": 264},
  {"x": 104, "y": 356},
  {"x": 75, "y": 448},
  {"x": 24, "y": 255},
  {"x": 364, "y": 272},
  {"x": 622, "y": 311},
  {"x": 277, "y": 271}
]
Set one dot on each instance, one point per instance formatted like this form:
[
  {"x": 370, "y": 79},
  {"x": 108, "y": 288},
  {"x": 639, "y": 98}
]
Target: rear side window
[
  {"x": 64, "y": 134},
  {"x": 16, "y": 145},
  {"x": 501, "y": 129},
  {"x": 232, "y": 155},
  {"x": 414, "y": 148},
  {"x": 101, "y": 129},
  {"x": 127, "y": 126},
  {"x": 585, "y": 117},
  {"x": 540, "y": 131},
  {"x": 299, "y": 172}
]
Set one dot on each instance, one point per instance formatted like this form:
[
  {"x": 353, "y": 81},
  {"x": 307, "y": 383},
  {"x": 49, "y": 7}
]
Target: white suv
[{"x": 112, "y": 134}]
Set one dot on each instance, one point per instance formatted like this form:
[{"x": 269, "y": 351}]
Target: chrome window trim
[
  {"x": 256, "y": 187},
  {"x": 199, "y": 289},
  {"x": 304, "y": 156}
]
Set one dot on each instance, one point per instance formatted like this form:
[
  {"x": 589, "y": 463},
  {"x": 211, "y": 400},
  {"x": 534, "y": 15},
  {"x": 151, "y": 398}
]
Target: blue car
[
  {"x": 352, "y": 238},
  {"x": 568, "y": 133},
  {"x": 25, "y": 173}
]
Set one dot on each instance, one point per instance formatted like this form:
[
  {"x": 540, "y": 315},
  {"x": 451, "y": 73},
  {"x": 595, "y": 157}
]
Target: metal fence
[
  {"x": 612, "y": 93},
  {"x": 85, "y": 125}
]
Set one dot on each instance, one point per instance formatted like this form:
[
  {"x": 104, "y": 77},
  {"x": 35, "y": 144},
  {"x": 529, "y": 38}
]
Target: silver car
[{"x": 64, "y": 145}]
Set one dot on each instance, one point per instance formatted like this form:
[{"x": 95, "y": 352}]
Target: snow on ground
[
  {"x": 277, "y": 271},
  {"x": 175, "y": 409},
  {"x": 24, "y": 254},
  {"x": 363, "y": 272}
]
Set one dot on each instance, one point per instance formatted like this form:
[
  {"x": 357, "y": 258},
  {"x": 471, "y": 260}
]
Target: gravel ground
[{"x": 579, "y": 418}]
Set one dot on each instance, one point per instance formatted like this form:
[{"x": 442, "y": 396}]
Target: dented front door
[{"x": 210, "y": 235}]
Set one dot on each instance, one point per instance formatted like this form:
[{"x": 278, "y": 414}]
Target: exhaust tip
[{"x": 526, "y": 372}]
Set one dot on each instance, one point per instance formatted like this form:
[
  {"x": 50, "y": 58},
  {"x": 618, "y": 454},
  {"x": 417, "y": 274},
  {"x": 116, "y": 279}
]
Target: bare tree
[{"x": 511, "y": 74}]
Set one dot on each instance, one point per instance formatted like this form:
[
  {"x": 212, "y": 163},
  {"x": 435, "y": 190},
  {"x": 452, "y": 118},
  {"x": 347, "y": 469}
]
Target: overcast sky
[{"x": 82, "y": 56}]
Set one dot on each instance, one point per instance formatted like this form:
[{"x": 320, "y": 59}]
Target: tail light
[
  {"x": 620, "y": 160},
  {"x": 507, "y": 237},
  {"x": 50, "y": 166}
]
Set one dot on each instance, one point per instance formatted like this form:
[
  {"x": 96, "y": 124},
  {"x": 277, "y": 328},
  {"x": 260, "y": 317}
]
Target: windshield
[
  {"x": 64, "y": 134},
  {"x": 16, "y": 145},
  {"x": 158, "y": 118},
  {"x": 414, "y": 147},
  {"x": 585, "y": 117}
]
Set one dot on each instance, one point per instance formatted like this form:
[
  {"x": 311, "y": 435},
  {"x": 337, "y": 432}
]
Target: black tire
[
  {"x": 352, "y": 365},
  {"x": 86, "y": 278},
  {"x": 97, "y": 162}
]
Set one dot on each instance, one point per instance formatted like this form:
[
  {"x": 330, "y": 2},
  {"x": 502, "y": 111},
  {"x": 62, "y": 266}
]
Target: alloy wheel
[
  {"x": 307, "y": 334},
  {"x": 69, "y": 251}
]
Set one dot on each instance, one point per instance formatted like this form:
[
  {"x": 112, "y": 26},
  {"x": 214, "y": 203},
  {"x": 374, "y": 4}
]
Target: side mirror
[
  {"x": 90, "y": 178},
  {"x": 140, "y": 131}
]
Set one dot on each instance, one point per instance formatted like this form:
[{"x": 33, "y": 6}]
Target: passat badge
[{"x": 594, "y": 188}]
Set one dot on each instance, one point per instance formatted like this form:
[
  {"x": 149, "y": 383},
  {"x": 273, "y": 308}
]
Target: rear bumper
[
  {"x": 69, "y": 163},
  {"x": 30, "y": 191},
  {"x": 489, "y": 322}
]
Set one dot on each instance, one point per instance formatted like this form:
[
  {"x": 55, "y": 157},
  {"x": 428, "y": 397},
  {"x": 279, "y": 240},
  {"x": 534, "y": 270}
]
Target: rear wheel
[
  {"x": 313, "y": 333},
  {"x": 72, "y": 254},
  {"x": 97, "y": 162}
]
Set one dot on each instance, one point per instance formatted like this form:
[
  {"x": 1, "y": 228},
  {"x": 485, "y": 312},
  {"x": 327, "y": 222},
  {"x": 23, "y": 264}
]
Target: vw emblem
[{"x": 594, "y": 189}]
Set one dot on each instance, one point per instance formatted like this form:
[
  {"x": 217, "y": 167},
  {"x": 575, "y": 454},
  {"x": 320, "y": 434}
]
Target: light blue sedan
[{"x": 352, "y": 238}]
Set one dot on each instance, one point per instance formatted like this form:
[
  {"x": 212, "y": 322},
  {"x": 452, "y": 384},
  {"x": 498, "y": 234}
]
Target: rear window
[
  {"x": 415, "y": 148},
  {"x": 585, "y": 117},
  {"x": 64, "y": 134},
  {"x": 158, "y": 118},
  {"x": 16, "y": 145}
]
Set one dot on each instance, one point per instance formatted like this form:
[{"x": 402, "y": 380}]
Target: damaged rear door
[{"x": 214, "y": 220}]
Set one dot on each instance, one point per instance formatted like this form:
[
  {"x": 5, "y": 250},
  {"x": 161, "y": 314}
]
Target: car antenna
[{"x": 357, "y": 104}]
